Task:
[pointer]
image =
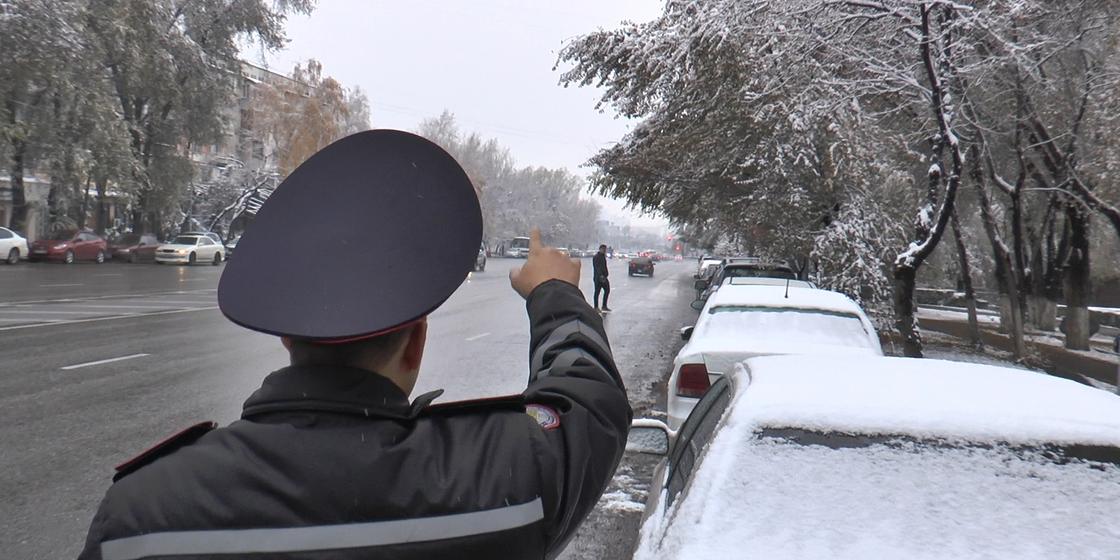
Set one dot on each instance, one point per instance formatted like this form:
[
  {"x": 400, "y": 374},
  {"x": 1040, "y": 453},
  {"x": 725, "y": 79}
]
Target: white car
[
  {"x": 745, "y": 320},
  {"x": 852, "y": 457},
  {"x": 13, "y": 246},
  {"x": 190, "y": 249}
]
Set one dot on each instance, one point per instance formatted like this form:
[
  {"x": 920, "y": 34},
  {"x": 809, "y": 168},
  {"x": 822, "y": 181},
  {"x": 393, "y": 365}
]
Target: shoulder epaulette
[
  {"x": 181, "y": 438},
  {"x": 507, "y": 402}
]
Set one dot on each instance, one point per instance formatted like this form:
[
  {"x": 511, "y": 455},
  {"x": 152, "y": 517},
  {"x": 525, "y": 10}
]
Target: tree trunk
[
  {"x": 85, "y": 205},
  {"x": 1078, "y": 285},
  {"x": 905, "y": 320},
  {"x": 966, "y": 279},
  {"x": 101, "y": 213}
]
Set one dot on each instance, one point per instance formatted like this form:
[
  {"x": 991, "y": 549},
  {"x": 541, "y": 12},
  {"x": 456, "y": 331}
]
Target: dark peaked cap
[{"x": 371, "y": 233}]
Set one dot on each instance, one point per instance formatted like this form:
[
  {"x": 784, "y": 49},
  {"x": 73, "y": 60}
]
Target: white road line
[
  {"x": 113, "y": 296},
  {"x": 115, "y": 317},
  {"x": 107, "y": 275},
  {"x": 121, "y": 306},
  {"x": 109, "y": 361},
  {"x": 46, "y": 312},
  {"x": 58, "y": 285},
  {"x": 478, "y": 336}
]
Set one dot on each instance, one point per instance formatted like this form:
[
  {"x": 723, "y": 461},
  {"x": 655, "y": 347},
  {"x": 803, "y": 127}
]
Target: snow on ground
[{"x": 768, "y": 498}]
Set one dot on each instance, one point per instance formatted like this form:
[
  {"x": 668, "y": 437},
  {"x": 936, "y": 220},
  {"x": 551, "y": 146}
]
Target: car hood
[{"x": 49, "y": 242}]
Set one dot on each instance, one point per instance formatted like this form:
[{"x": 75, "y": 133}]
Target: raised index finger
[{"x": 535, "y": 240}]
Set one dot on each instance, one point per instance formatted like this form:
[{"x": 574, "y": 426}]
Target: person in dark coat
[
  {"x": 600, "y": 272},
  {"x": 330, "y": 458}
]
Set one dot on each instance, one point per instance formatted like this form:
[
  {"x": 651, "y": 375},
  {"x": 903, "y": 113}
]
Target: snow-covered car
[
  {"x": 190, "y": 249},
  {"x": 869, "y": 457},
  {"x": 745, "y": 320},
  {"x": 13, "y": 246}
]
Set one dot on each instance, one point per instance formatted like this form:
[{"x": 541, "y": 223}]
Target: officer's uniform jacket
[{"x": 332, "y": 462}]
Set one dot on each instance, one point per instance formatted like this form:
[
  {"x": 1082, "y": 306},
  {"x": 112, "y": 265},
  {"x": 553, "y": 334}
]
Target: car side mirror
[
  {"x": 686, "y": 333},
  {"x": 649, "y": 436},
  {"x": 700, "y": 284},
  {"x": 697, "y": 304}
]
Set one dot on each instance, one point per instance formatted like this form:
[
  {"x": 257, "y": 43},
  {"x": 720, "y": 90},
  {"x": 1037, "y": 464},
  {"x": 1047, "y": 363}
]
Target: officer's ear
[
  {"x": 287, "y": 342},
  {"x": 414, "y": 347}
]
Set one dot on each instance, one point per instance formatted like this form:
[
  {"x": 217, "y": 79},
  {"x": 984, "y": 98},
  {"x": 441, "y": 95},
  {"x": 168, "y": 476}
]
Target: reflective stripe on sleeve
[
  {"x": 323, "y": 537},
  {"x": 569, "y": 357},
  {"x": 560, "y": 334}
]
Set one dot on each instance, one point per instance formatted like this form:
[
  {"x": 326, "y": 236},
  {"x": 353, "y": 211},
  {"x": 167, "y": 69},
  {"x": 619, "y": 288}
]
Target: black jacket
[
  {"x": 599, "y": 266},
  {"x": 336, "y": 463}
]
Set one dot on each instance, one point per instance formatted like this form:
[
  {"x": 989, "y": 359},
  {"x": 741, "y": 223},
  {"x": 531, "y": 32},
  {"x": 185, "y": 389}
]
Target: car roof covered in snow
[
  {"x": 733, "y": 294},
  {"x": 925, "y": 399}
]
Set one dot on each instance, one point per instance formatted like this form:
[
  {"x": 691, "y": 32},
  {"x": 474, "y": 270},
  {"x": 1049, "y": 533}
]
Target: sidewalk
[{"x": 1096, "y": 364}]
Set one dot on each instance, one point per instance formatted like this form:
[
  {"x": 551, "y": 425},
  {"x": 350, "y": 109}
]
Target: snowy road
[{"x": 99, "y": 362}]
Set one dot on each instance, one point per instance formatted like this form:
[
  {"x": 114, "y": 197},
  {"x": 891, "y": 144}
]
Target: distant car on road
[
  {"x": 13, "y": 246},
  {"x": 480, "y": 260},
  {"x": 641, "y": 265},
  {"x": 134, "y": 247},
  {"x": 69, "y": 246},
  {"x": 873, "y": 457},
  {"x": 518, "y": 248},
  {"x": 743, "y": 321},
  {"x": 190, "y": 249}
]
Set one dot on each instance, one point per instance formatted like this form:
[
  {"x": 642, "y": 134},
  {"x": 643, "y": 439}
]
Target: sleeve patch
[{"x": 546, "y": 416}]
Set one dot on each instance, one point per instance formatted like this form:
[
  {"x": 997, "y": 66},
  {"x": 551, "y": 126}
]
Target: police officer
[{"x": 330, "y": 459}]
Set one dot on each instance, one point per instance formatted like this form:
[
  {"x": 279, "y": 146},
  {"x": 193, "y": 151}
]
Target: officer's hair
[{"x": 369, "y": 352}]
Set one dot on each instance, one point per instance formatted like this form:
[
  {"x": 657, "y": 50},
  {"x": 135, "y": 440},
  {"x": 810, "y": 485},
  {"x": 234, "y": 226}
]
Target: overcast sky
[{"x": 487, "y": 61}]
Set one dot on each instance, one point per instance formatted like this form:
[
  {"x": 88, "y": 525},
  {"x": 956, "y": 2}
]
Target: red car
[
  {"x": 133, "y": 247},
  {"x": 69, "y": 247}
]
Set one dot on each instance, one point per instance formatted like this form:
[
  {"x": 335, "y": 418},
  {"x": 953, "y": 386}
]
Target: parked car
[
  {"x": 480, "y": 260},
  {"x": 742, "y": 267},
  {"x": 517, "y": 248},
  {"x": 190, "y": 249},
  {"x": 873, "y": 457},
  {"x": 13, "y": 246},
  {"x": 134, "y": 247},
  {"x": 743, "y": 321},
  {"x": 640, "y": 265},
  {"x": 69, "y": 246}
]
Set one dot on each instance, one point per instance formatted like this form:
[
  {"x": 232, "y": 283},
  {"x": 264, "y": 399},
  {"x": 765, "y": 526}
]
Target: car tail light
[{"x": 693, "y": 381}]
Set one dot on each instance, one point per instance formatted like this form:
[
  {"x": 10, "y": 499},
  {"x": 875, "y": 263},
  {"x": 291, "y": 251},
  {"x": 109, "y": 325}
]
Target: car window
[
  {"x": 85, "y": 237},
  {"x": 5, "y": 234},
  {"x": 186, "y": 240},
  {"x": 148, "y": 240},
  {"x": 205, "y": 241},
  {"x": 694, "y": 435},
  {"x": 805, "y": 327}
]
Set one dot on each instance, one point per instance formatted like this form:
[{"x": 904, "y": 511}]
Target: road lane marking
[
  {"x": 34, "y": 311},
  {"x": 122, "y": 306},
  {"x": 109, "y": 361},
  {"x": 107, "y": 275},
  {"x": 58, "y": 285},
  {"x": 112, "y": 296},
  {"x": 478, "y": 336},
  {"x": 114, "y": 317}
]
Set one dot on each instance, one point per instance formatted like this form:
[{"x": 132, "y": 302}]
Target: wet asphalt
[{"x": 98, "y": 362}]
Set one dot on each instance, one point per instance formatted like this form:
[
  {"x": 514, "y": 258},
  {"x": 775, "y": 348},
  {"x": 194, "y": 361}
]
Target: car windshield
[
  {"x": 519, "y": 243},
  {"x": 855, "y": 497},
  {"x": 785, "y": 325},
  {"x": 62, "y": 236},
  {"x": 186, "y": 240}
]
